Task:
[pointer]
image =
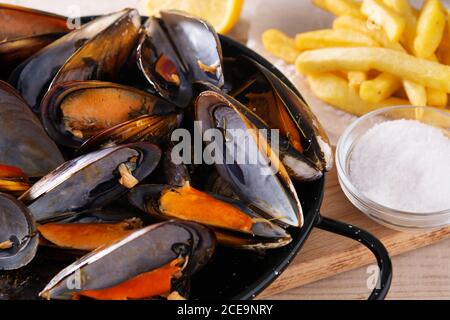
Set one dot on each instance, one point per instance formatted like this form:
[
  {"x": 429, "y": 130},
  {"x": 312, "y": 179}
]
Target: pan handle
[{"x": 372, "y": 243}]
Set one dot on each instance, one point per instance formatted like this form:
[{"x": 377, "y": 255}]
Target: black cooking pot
[{"x": 232, "y": 274}]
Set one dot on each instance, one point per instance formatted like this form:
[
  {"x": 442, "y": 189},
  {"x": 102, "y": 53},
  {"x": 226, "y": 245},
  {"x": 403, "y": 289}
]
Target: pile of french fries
[{"x": 378, "y": 53}]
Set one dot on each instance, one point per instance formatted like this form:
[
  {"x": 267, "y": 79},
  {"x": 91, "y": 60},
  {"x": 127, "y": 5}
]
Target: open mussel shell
[
  {"x": 171, "y": 57},
  {"x": 33, "y": 76},
  {"x": 246, "y": 160},
  {"x": 18, "y": 239},
  {"x": 14, "y": 52},
  {"x": 141, "y": 252},
  {"x": 103, "y": 57},
  {"x": 75, "y": 111},
  {"x": 151, "y": 128},
  {"x": 304, "y": 147},
  {"x": 23, "y": 32},
  {"x": 237, "y": 224},
  {"x": 91, "y": 181},
  {"x": 20, "y": 22},
  {"x": 23, "y": 141}
]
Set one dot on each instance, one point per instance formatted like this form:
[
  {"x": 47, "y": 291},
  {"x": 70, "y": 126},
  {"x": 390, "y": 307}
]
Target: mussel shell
[
  {"x": 34, "y": 75},
  {"x": 251, "y": 78},
  {"x": 146, "y": 198},
  {"x": 142, "y": 251},
  {"x": 19, "y": 22},
  {"x": 155, "y": 129},
  {"x": 271, "y": 192},
  {"x": 53, "y": 119},
  {"x": 174, "y": 174},
  {"x": 16, "y": 225},
  {"x": 103, "y": 57},
  {"x": 14, "y": 52},
  {"x": 23, "y": 141},
  {"x": 89, "y": 181},
  {"x": 174, "y": 37}
]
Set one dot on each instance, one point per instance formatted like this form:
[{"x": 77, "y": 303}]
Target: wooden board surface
[{"x": 325, "y": 254}]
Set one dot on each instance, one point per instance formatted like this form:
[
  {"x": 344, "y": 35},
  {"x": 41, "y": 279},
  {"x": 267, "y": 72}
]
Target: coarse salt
[{"x": 403, "y": 165}]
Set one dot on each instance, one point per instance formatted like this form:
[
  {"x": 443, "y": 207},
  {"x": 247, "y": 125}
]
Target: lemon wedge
[{"x": 221, "y": 14}]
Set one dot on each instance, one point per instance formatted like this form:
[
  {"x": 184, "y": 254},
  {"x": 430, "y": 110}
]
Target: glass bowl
[{"x": 395, "y": 219}]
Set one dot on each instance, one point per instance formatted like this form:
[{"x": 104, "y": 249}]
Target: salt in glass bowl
[{"x": 389, "y": 217}]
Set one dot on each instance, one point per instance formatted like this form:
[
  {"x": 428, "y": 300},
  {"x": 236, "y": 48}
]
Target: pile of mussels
[{"x": 86, "y": 118}]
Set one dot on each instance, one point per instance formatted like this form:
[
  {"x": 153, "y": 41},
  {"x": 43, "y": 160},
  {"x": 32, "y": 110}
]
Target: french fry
[
  {"x": 332, "y": 38},
  {"x": 336, "y": 92},
  {"x": 340, "y": 7},
  {"x": 443, "y": 52},
  {"x": 436, "y": 98},
  {"x": 430, "y": 29},
  {"x": 404, "y": 8},
  {"x": 380, "y": 88},
  {"x": 392, "y": 23},
  {"x": 361, "y": 25},
  {"x": 355, "y": 78},
  {"x": 417, "y": 94},
  {"x": 424, "y": 72},
  {"x": 280, "y": 45}
]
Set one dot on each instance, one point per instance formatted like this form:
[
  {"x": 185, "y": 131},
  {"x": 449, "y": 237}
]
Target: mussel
[
  {"x": 20, "y": 22},
  {"x": 262, "y": 181},
  {"x": 24, "y": 32},
  {"x": 304, "y": 146},
  {"x": 13, "y": 180},
  {"x": 103, "y": 57},
  {"x": 172, "y": 58},
  {"x": 231, "y": 219},
  {"x": 13, "y": 52},
  {"x": 145, "y": 264},
  {"x": 23, "y": 142},
  {"x": 75, "y": 111},
  {"x": 85, "y": 236},
  {"x": 91, "y": 181},
  {"x": 155, "y": 129},
  {"x": 33, "y": 76},
  {"x": 18, "y": 238}
]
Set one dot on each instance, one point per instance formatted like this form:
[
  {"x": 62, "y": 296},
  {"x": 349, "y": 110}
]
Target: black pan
[{"x": 232, "y": 274}]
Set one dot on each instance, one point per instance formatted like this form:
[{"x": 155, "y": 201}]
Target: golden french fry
[
  {"x": 443, "y": 52},
  {"x": 401, "y": 6},
  {"x": 332, "y": 38},
  {"x": 424, "y": 72},
  {"x": 340, "y": 7},
  {"x": 335, "y": 91},
  {"x": 360, "y": 25},
  {"x": 417, "y": 94},
  {"x": 355, "y": 78},
  {"x": 430, "y": 29},
  {"x": 380, "y": 88},
  {"x": 404, "y": 8},
  {"x": 280, "y": 45},
  {"x": 436, "y": 98},
  {"x": 393, "y": 23}
]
